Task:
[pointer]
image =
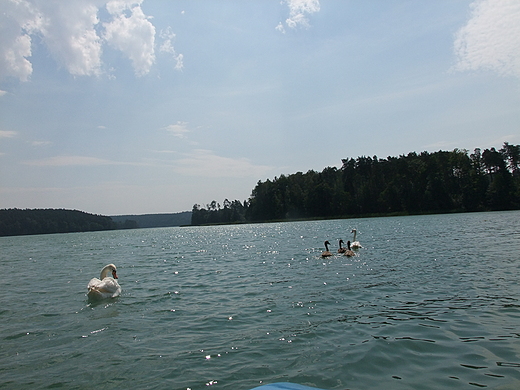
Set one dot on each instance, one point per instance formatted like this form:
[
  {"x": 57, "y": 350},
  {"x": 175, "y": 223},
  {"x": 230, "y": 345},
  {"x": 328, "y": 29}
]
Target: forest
[
  {"x": 15, "y": 222},
  {"x": 438, "y": 182}
]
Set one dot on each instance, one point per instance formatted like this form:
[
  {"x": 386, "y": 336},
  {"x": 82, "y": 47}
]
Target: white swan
[
  {"x": 355, "y": 244},
  {"x": 105, "y": 286},
  {"x": 326, "y": 253}
]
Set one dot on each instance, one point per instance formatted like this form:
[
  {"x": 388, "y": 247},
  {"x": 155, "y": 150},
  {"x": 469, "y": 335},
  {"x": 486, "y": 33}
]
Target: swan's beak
[{"x": 114, "y": 274}]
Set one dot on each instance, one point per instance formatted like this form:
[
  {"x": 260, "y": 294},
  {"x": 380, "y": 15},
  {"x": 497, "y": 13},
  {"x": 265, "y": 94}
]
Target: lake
[{"x": 428, "y": 302}]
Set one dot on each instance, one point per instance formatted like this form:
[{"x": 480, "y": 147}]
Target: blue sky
[{"x": 133, "y": 107}]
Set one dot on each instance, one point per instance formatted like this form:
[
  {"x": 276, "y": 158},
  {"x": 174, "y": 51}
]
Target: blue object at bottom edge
[{"x": 284, "y": 386}]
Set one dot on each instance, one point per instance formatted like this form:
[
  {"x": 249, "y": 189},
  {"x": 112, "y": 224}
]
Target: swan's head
[
  {"x": 109, "y": 268},
  {"x": 353, "y": 231}
]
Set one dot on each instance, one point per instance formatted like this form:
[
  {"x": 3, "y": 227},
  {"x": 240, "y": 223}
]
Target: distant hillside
[
  {"x": 154, "y": 220},
  {"x": 15, "y": 222}
]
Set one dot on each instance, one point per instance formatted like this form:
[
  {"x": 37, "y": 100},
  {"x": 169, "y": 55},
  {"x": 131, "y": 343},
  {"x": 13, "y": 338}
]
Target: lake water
[{"x": 429, "y": 302}]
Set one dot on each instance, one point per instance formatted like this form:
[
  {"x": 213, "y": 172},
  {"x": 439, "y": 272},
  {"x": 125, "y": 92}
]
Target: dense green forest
[
  {"x": 231, "y": 212},
  {"x": 14, "y": 222},
  {"x": 444, "y": 181}
]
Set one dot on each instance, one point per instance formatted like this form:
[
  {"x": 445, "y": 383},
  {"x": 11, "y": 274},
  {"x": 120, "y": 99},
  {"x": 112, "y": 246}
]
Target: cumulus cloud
[
  {"x": 68, "y": 31},
  {"x": 491, "y": 38},
  {"x": 75, "y": 36},
  {"x": 18, "y": 20},
  {"x": 201, "y": 162},
  {"x": 133, "y": 34},
  {"x": 298, "y": 12}
]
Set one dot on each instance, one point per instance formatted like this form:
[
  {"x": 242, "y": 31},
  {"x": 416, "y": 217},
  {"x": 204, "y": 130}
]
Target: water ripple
[{"x": 422, "y": 305}]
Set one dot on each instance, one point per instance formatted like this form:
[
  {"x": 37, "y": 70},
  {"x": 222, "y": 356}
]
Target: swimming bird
[
  {"x": 355, "y": 244},
  {"x": 326, "y": 253},
  {"x": 105, "y": 286},
  {"x": 349, "y": 252},
  {"x": 341, "y": 249}
]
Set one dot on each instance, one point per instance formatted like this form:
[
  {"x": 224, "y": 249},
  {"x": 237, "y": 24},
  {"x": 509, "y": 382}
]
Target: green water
[{"x": 429, "y": 302}]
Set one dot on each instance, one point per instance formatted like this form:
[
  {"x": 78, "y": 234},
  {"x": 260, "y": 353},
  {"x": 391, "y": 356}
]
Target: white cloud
[
  {"x": 7, "y": 134},
  {"x": 134, "y": 35},
  {"x": 168, "y": 36},
  {"x": 74, "y": 35},
  {"x": 2, "y": 93},
  {"x": 164, "y": 151},
  {"x": 491, "y": 38},
  {"x": 178, "y": 130},
  {"x": 41, "y": 143},
  {"x": 60, "y": 161},
  {"x": 167, "y": 47},
  {"x": 298, "y": 12},
  {"x": 69, "y": 31},
  {"x": 280, "y": 27},
  {"x": 18, "y": 20},
  {"x": 205, "y": 163}
]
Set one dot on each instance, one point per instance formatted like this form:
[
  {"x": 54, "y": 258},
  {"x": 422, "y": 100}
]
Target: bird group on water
[
  {"x": 108, "y": 287},
  {"x": 342, "y": 250}
]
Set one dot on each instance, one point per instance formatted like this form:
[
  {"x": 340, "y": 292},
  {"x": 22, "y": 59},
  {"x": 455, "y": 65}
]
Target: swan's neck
[
  {"x": 355, "y": 232},
  {"x": 104, "y": 272}
]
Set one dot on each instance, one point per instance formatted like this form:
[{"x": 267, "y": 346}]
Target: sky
[{"x": 150, "y": 106}]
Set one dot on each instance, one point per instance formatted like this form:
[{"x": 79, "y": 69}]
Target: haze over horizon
[{"x": 144, "y": 106}]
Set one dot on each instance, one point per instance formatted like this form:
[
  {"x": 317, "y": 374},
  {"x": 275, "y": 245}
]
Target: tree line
[
  {"x": 443, "y": 181},
  {"x": 14, "y": 222},
  {"x": 231, "y": 212}
]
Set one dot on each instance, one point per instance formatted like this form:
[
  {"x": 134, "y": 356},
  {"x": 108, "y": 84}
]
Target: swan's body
[
  {"x": 355, "y": 244},
  {"x": 326, "y": 253},
  {"x": 341, "y": 249},
  {"x": 348, "y": 252},
  {"x": 105, "y": 286}
]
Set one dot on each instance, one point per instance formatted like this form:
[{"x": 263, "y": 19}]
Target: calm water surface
[{"x": 429, "y": 302}]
